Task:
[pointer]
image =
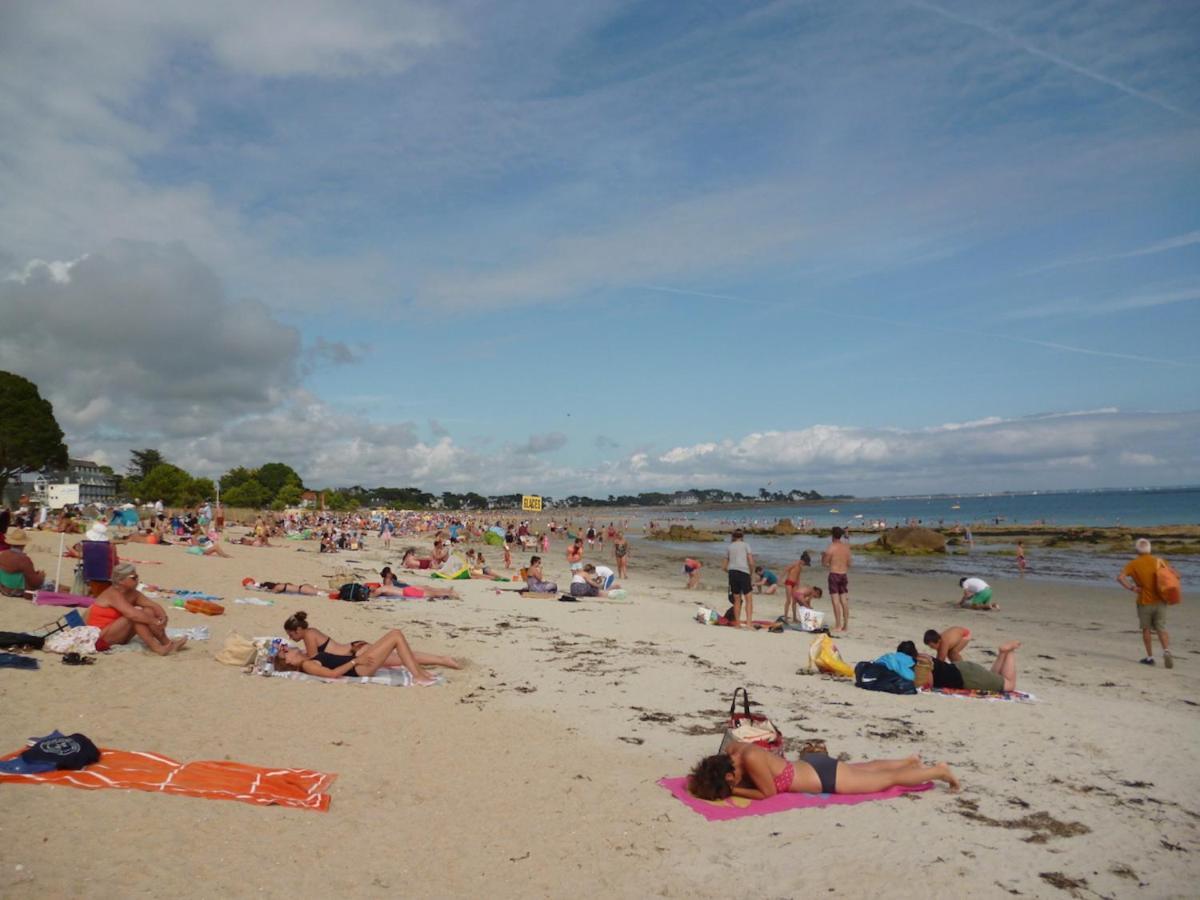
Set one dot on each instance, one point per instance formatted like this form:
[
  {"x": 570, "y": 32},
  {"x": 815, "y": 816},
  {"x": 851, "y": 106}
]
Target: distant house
[
  {"x": 95, "y": 485},
  {"x": 309, "y": 499}
]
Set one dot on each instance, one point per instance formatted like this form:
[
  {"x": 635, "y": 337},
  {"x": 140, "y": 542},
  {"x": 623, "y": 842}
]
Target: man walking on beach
[
  {"x": 1141, "y": 576},
  {"x": 836, "y": 559},
  {"x": 739, "y": 563}
]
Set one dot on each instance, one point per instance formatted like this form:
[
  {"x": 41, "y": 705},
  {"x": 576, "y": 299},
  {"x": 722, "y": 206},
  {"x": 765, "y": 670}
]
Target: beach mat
[
  {"x": 737, "y": 807},
  {"x": 60, "y": 598},
  {"x": 208, "y": 779},
  {"x": 393, "y": 677},
  {"x": 968, "y": 694}
]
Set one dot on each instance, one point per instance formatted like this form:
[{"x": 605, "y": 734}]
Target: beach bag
[
  {"x": 238, "y": 651},
  {"x": 823, "y": 656},
  {"x": 750, "y": 728},
  {"x": 810, "y": 619},
  {"x": 355, "y": 593},
  {"x": 204, "y": 607},
  {"x": 1167, "y": 582},
  {"x": 872, "y": 676},
  {"x": 923, "y": 672}
]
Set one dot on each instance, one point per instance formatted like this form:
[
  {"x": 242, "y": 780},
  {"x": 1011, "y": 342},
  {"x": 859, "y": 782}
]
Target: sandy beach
[{"x": 532, "y": 772}]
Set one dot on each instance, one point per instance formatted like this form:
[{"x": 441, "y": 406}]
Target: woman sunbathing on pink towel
[
  {"x": 747, "y": 770},
  {"x": 316, "y": 642}
]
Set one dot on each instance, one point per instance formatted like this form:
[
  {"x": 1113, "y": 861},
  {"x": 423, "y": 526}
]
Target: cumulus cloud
[
  {"x": 1076, "y": 449},
  {"x": 141, "y": 339},
  {"x": 437, "y": 429}
]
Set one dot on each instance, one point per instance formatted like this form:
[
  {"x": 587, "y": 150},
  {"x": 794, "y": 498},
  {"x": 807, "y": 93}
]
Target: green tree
[
  {"x": 143, "y": 462},
  {"x": 274, "y": 475},
  {"x": 251, "y": 494},
  {"x": 289, "y": 495},
  {"x": 30, "y": 438},
  {"x": 168, "y": 483},
  {"x": 339, "y": 501},
  {"x": 203, "y": 489},
  {"x": 236, "y": 477}
]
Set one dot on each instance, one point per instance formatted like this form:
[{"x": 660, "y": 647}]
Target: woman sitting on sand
[
  {"x": 747, "y": 770},
  {"x": 535, "y": 578},
  {"x": 359, "y": 660},
  {"x": 587, "y": 582},
  {"x": 315, "y": 640},
  {"x": 390, "y": 586}
]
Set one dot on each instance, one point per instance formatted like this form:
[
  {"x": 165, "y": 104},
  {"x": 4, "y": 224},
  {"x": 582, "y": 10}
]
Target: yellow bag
[{"x": 824, "y": 656}]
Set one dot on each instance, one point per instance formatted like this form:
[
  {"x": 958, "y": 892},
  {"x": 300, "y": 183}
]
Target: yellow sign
[{"x": 531, "y": 503}]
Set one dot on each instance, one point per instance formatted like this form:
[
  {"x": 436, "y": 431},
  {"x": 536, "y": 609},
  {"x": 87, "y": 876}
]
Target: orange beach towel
[{"x": 210, "y": 779}]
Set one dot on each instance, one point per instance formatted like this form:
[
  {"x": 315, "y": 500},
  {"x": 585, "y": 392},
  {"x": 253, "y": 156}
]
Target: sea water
[
  {"x": 990, "y": 557},
  {"x": 1130, "y": 508}
]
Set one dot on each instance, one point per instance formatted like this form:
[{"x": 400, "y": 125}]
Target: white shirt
[
  {"x": 604, "y": 572},
  {"x": 974, "y": 585}
]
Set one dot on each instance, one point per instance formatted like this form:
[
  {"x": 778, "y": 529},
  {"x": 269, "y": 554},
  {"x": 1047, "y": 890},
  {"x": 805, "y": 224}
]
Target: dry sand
[{"x": 532, "y": 772}]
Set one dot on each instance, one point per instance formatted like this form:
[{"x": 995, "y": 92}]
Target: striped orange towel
[{"x": 210, "y": 779}]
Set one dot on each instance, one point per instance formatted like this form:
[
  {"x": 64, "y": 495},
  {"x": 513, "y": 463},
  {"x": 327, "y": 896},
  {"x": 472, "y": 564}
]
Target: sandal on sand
[{"x": 1148, "y": 661}]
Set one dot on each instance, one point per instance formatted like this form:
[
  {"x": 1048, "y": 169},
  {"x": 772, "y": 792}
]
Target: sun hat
[
  {"x": 16, "y": 537},
  {"x": 98, "y": 532}
]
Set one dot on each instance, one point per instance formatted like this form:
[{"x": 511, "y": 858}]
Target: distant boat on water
[
  {"x": 956, "y": 506},
  {"x": 834, "y": 510}
]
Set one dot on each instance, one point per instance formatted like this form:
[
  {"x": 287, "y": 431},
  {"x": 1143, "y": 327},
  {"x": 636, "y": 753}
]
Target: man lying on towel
[{"x": 122, "y": 611}]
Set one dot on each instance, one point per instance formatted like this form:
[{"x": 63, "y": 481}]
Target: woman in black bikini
[
  {"x": 747, "y": 770},
  {"x": 317, "y": 643},
  {"x": 371, "y": 660},
  {"x": 286, "y": 587}
]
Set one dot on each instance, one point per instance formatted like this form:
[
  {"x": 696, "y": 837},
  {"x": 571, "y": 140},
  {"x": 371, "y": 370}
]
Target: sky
[{"x": 607, "y": 247}]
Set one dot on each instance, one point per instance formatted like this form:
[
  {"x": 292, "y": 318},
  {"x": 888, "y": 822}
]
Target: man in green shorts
[
  {"x": 977, "y": 594},
  {"x": 1141, "y": 576}
]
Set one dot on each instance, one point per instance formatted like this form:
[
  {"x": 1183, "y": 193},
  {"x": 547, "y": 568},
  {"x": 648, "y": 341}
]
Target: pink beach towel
[
  {"x": 58, "y": 598},
  {"x": 736, "y": 807}
]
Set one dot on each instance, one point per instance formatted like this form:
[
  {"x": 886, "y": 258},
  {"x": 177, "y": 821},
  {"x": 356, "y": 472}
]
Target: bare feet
[
  {"x": 178, "y": 644},
  {"x": 425, "y": 682},
  {"x": 944, "y": 773},
  {"x": 1010, "y": 647}
]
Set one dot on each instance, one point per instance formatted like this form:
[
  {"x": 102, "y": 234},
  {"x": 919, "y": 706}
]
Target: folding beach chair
[{"x": 73, "y": 619}]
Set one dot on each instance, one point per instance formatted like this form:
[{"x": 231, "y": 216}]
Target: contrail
[
  {"x": 820, "y": 310},
  {"x": 1175, "y": 243},
  {"x": 1054, "y": 58}
]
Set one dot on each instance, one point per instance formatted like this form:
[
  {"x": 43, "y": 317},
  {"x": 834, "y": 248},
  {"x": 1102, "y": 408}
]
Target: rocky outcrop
[
  {"x": 909, "y": 541},
  {"x": 683, "y": 533}
]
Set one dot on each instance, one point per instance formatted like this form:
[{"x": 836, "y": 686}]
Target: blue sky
[{"x": 585, "y": 248}]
